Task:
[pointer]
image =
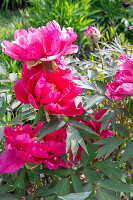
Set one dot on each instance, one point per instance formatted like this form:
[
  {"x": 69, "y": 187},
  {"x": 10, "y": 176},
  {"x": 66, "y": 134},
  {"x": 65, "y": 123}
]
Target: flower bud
[
  {"x": 126, "y": 4},
  {"x": 93, "y": 34}
]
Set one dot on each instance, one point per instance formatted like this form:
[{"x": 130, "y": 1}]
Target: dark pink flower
[
  {"x": 126, "y": 4},
  {"x": 95, "y": 126},
  {"x": 48, "y": 43},
  {"x": 122, "y": 85},
  {"x": 54, "y": 91},
  {"x": 22, "y": 147},
  {"x": 131, "y": 27}
]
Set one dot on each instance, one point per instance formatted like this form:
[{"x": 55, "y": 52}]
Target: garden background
[{"x": 105, "y": 168}]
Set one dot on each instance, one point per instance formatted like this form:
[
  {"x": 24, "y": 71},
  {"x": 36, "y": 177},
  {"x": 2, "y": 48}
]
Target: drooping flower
[
  {"x": 21, "y": 147},
  {"x": 122, "y": 85},
  {"x": 95, "y": 126},
  {"x": 93, "y": 34},
  {"x": 54, "y": 91},
  {"x": 46, "y": 44}
]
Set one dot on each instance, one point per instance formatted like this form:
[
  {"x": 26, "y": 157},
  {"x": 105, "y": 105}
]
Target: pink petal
[
  {"x": 10, "y": 162},
  {"x": 20, "y": 92}
]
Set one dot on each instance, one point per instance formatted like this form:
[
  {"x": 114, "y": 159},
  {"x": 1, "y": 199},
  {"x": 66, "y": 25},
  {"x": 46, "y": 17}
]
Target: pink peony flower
[
  {"x": 131, "y": 27},
  {"x": 122, "y": 85},
  {"x": 48, "y": 43},
  {"x": 22, "y": 148},
  {"x": 54, "y": 91},
  {"x": 93, "y": 34},
  {"x": 95, "y": 126}
]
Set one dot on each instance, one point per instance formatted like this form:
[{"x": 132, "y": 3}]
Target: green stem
[{"x": 97, "y": 45}]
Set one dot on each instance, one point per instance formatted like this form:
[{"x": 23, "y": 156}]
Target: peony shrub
[{"x": 66, "y": 123}]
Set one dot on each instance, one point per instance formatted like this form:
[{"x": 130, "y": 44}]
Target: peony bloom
[
  {"x": 95, "y": 126},
  {"x": 22, "y": 148},
  {"x": 54, "y": 91},
  {"x": 122, "y": 85},
  {"x": 131, "y": 27},
  {"x": 46, "y": 44},
  {"x": 126, "y": 4},
  {"x": 93, "y": 34}
]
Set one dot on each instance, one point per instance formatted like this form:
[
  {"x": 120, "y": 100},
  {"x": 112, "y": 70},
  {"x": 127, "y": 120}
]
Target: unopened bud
[{"x": 93, "y": 34}]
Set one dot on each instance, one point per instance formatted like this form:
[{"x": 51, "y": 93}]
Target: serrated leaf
[
  {"x": 75, "y": 196},
  {"x": 74, "y": 138},
  {"x": 110, "y": 144},
  {"x": 115, "y": 186},
  {"x": 53, "y": 127},
  {"x": 128, "y": 152}
]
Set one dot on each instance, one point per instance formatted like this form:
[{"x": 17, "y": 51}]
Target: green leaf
[
  {"x": 13, "y": 76},
  {"x": 6, "y": 188},
  {"x": 73, "y": 139},
  {"x": 76, "y": 183},
  {"x": 63, "y": 187},
  {"x": 85, "y": 158},
  {"x": 124, "y": 112},
  {"x": 22, "y": 116},
  {"x": 4, "y": 88},
  {"x": 104, "y": 195},
  {"x": 75, "y": 196},
  {"x": 1, "y": 132},
  {"x": 91, "y": 175},
  {"x": 110, "y": 171},
  {"x": 52, "y": 127},
  {"x": 7, "y": 197},
  {"x": 105, "y": 119},
  {"x": 93, "y": 100},
  {"x": 113, "y": 119},
  {"x": 121, "y": 130},
  {"x": 110, "y": 144},
  {"x": 88, "y": 131},
  {"x": 3, "y": 69},
  {"x": 88, "y": 86},
  {"x": 39, "y": 115},
  {"x": 128, "y": 152},
  {"x": 59, "y": 172},
  {"x": 115, "y": 186},
  {"x": 21, "y": 180},
  {"x": 3, "y": 106}
]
